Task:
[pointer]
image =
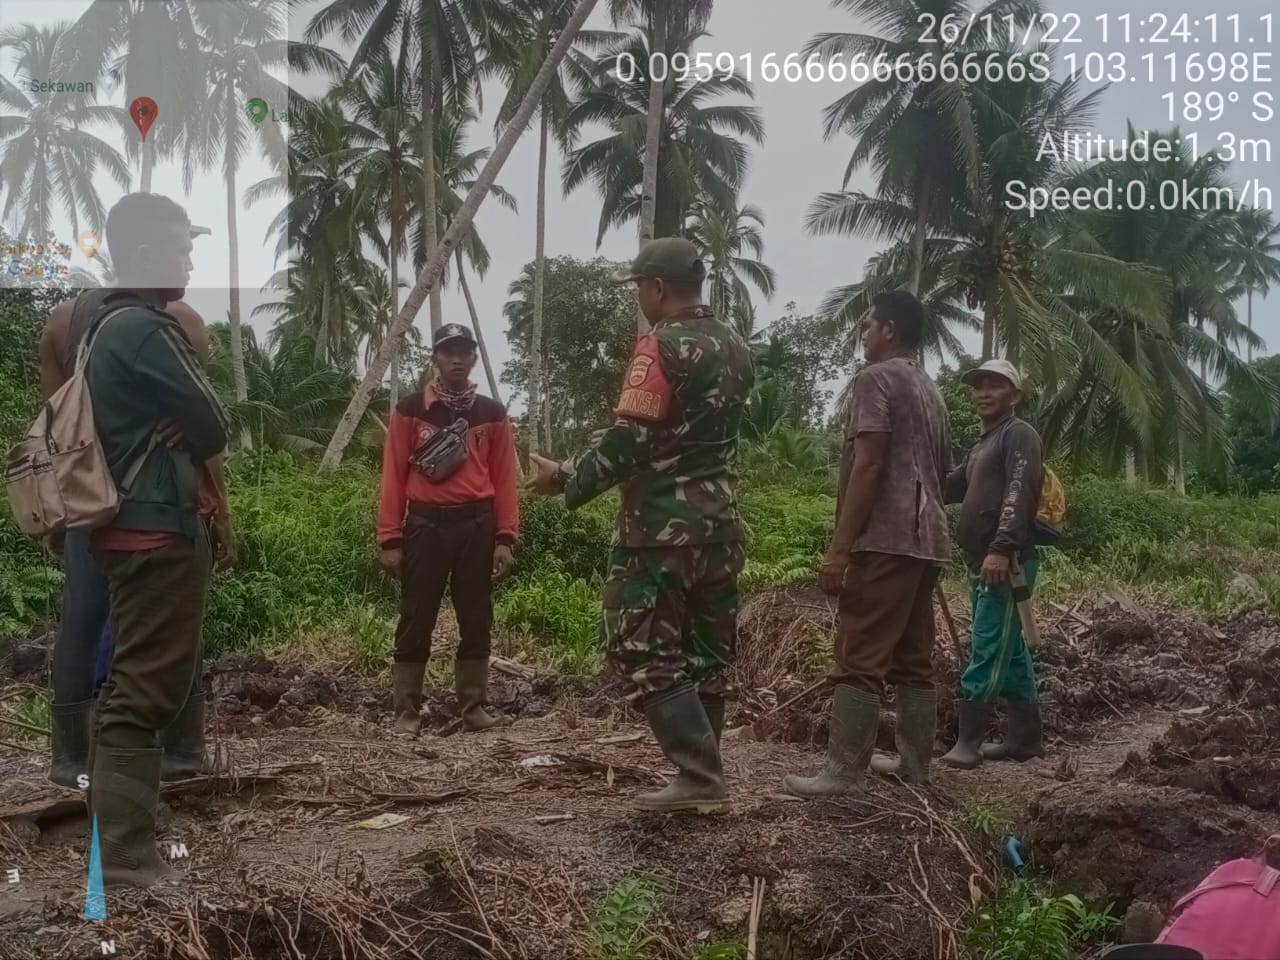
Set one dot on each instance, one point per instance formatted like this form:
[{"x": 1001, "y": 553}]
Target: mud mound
[
  {"x": 1098, "y": 661},
  {"x": 251, "y": 690},
  {"x": 1118, "y": 844},
  {"x": 1233, "y": 756}
]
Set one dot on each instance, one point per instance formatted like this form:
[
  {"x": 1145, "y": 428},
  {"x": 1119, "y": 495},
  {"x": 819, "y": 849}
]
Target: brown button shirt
[{"x": 898, "y": 398}]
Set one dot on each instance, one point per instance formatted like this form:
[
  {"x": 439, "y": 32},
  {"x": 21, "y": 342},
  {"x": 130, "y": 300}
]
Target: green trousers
[
  {"x": 157, "y": 608},
  {"x": 999, "y": 662}
]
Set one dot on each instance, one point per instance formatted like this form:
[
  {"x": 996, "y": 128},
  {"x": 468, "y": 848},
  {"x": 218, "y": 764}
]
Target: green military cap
[{"x": 666, "y": 258}]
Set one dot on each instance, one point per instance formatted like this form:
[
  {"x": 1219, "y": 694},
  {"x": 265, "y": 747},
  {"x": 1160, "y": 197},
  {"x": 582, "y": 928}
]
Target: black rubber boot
[
  {"x": 182, "y": 743},
  {"x": 406, "y": 696},
  {"x": 70, "y": 734},
  {"x": 471, "y": 683},
  {"x": 123, "y": 795},
  {"x": 917, "y": 724},
  {"x": 714, "y": 706},
  {"x": 1026, "y": 736},
  {"x": 855, "y": 718},
  {"x": 680, "y": 724},
  {"x": 966, "y": 754}
]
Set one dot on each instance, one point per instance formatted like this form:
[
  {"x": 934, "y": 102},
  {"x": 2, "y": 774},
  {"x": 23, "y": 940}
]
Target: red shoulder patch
[{"x": 646, "y": 392}]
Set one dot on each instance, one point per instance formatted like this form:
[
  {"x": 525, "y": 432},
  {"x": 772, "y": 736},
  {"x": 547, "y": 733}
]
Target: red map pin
[{"x": 144, "y": 111}]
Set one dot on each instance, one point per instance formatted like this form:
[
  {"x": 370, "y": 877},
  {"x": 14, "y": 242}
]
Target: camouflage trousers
[{"x": 671, "y": 615}]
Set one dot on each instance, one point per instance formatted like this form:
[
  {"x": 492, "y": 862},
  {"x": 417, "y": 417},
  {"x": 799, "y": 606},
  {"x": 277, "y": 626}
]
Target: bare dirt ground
[{"x": 1164, "y": 760}]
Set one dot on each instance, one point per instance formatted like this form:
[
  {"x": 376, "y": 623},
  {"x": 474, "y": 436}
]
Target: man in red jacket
[{"x": 449, "y": 515}]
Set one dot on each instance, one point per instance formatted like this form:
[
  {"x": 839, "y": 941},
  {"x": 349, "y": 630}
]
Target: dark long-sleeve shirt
[{"x": 998, "y": 486}]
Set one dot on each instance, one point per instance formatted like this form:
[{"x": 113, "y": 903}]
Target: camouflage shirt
[{"x": 674, "y": 444}]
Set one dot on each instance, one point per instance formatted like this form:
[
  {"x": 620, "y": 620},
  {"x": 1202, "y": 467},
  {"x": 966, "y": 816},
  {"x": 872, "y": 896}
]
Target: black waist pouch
[{"x": 442, "y": 454}]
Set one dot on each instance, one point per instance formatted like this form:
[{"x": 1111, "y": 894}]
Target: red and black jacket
[{"x": 489, "y": 472}]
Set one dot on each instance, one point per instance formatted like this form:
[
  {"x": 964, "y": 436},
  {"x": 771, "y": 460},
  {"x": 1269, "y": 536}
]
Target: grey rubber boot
[
  {"x": 123, "y": 795},
  {"x": 1026, "y": 736},
  {"x": 406, "y": 696},
  {"x": 966, "y": 754},
  {"x": 917, "y": 724},
  {"x": 855, "y": 718},
  {"x": 70, "y": 734},
  {"x": 471, "y": 683},
  {"x": 182, "y": 742},
  {"x": 680, "y": 724},
  {"x": 714, "y": 706}
]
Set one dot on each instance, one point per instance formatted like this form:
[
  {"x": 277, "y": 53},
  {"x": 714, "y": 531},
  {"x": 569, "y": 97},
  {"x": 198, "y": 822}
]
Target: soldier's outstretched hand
[{"x": 545, "y": 479}]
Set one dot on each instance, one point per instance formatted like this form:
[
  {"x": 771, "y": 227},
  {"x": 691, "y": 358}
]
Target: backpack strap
[
  {"x": 91, "y": 337},
  {"x": 82, "y": 360}
]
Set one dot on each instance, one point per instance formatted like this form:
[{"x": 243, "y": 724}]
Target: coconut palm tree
[
  {"x": 450, "y": 36},
  {"x": 1188, "y": 248},
  {"x": 457, "y": 172},
  {"x": 384, "y": 152},
  {"x": 920, "y": 136},
  {"x": 293, "y": 402},
  {"x": 47, "y": 159},
  {"x": 722, "y": 236},
  {"x": 148, "y": 49},
  {"x": 514, "y": 56},
  {"x": 1257, "y": 255},
  {"x": 664, "y": 19},
  {"x": 431, "y": 273},
  {"x": 701, "y": 155},
  {"x": 238, "y": 49},
  {"x": 322, "y": 219}
]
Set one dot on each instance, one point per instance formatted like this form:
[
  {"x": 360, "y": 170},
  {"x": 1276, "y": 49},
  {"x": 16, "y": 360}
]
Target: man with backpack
[
  {"x": 142, "y": 371},
  {"x": 998, "y": 486},
  {"x": 84, "y": 641}
]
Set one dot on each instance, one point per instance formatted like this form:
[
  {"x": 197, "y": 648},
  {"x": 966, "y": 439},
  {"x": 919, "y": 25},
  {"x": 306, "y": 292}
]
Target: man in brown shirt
[{"x": 888, "y": 550}]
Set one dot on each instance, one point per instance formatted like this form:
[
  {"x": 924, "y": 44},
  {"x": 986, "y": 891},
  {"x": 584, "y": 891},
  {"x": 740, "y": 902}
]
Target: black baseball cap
[{"x": 450, "y": 332}]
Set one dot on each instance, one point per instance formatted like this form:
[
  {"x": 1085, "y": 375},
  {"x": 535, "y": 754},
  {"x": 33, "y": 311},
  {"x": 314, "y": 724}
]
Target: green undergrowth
[
  {"x": 626, "y": 925},
  {"x": 1023, "y": 922},
  {"x": 309, "y": 575}
]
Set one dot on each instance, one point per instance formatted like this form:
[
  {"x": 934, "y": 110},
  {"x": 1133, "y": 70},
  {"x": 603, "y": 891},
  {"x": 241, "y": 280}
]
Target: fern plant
[
  {"x": 1023, "y": 924},
  {"x": 621, "y": 928}
]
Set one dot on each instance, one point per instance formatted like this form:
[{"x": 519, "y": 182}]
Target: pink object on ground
[{"x": 1233, "y": 915}]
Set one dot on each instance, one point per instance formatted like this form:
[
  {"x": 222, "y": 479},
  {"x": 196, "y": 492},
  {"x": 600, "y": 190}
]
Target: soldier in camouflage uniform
[{"x": 671, "y": 598}]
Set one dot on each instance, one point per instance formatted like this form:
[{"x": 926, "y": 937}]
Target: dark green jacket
[
  {"x": 141, "y": 370},
  {"x": 673, "y": 447}
]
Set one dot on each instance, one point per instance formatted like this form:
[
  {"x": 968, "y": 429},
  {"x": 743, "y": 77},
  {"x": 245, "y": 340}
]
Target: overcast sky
[{"x": 793, "y": 166}]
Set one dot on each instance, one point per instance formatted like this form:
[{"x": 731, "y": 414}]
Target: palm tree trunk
[
  {"x": 322, "y": 333},
  {"x": 233, "y": 314},
  {"x": 1250, "y": 345},
  {"x": 148, "y": 161},
  {"x": 430, "y": 276},
  {"x": 1204, "y": 364},
  {"x": 917, "y": 237},
  {"x": 652, "y": 141},
  {"x": 1179, "y": 467},
  {"x": 430, "y": 84},
  {"x": 395, "y": 303},
  {"x": 1130, "y": 468},
  {"x": 475, "y": 325},
  {"x": 539, "y": 286},
  {"x": 546, "y": 420}
]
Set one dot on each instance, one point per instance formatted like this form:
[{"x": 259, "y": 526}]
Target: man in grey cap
[
  {"x": 998, "y": 486},
  {"x": 671, "y": 597}
]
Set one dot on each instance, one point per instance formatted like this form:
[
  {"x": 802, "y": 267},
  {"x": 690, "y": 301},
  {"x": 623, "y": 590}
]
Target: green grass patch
[
  {"x": 1023, "y": 923},
  {"x": 622, "y": 926}
]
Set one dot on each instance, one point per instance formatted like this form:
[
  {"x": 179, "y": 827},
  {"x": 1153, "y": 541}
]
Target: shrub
[{"x": 559, "y": 613}]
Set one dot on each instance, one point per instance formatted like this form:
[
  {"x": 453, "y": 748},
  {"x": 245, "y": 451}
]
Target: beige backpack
[{"x": 57, "y": 476}]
